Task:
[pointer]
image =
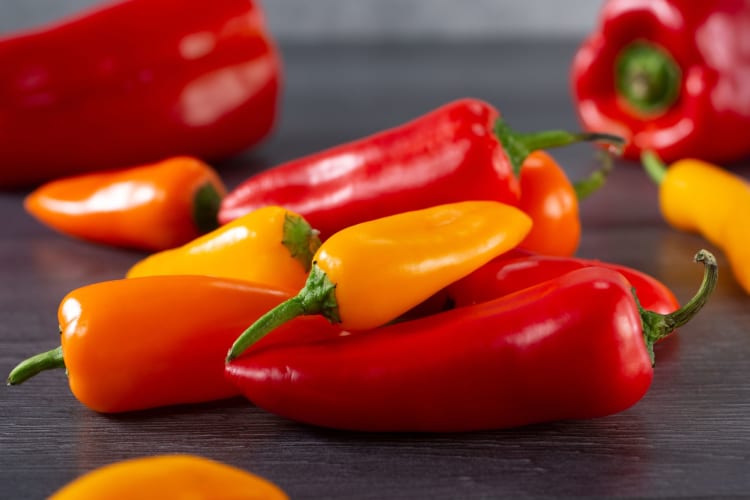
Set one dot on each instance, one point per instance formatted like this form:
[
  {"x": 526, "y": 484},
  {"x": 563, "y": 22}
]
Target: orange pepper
[
  {"x": 549, "y": 198},
  {"x": 139, "y": 343},
  {"x": 149, "y": 207},
  {"x": 169, "y": 477},
  {"x": 269, "y": 245},
  {"x": 552, "y": 201},
  {"x": 370, "y": 273}
]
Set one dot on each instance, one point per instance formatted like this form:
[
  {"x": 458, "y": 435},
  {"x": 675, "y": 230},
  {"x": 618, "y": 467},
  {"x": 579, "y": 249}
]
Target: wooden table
[{"x": 690, "y": 435}]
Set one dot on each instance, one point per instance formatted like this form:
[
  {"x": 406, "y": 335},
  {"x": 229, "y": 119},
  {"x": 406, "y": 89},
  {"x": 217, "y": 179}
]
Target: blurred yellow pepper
[
  {"x": 706, "y": 199},
  {"x": 169, "y": 477}
]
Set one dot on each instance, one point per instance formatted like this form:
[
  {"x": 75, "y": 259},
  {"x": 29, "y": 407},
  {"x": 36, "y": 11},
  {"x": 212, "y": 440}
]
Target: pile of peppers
[
  {"x": 428, "y": 266},
  {"x": 304, "y": 321}
]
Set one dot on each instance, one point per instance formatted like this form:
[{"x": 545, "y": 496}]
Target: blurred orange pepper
[
  {"x": 150, "y": 207},
  {"x": 269, "y": 245},
  {"x": 170, "y": 477},
  {"x": 140, "y": 343}
]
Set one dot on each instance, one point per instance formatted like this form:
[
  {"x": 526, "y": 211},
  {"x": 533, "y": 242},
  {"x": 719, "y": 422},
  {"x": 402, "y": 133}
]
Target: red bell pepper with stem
[
  {"x": 672, "y": 76},
  {"x": 460, "y": 151},
  {"x": 578, "y": 346},
  {"x": 134, "y": 82}
]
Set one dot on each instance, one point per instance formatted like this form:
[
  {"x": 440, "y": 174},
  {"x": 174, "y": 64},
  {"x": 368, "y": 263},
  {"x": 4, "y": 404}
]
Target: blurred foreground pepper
[
  {"x": 578, "y": 346},
  {"x": 460, "y": 151},
  {"x": 369, "y": 274},
  {"x": 149, "y": 207},
  {"x": 140, "y": 343},
  {"x": 169, "y": 477},
  {"x": 703, "y": 198},
  {"x": 270, "y": 245},
  {"x": 671, "y": 76},
  {"x": 134, "y": 82}
]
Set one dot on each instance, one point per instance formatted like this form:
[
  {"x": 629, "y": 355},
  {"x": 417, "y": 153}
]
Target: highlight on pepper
[
  {"x": 170, "y": 477},
  {"x": 148, "y": 207},
  {"x": 370, "y": 273}
]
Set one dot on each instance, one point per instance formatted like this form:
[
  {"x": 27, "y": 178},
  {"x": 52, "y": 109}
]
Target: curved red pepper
[
  {"x": 672, "y": 76},
  {"x": 517, "y": 269},
  {"x": 460, "y": 151},
  {"x": 135, "y": 82},
  {"x": 574, "y": 347}
]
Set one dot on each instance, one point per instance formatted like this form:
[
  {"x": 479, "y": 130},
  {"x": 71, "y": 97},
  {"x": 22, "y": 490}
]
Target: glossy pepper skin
[
  {"x": 270, "y": 245},
  {"x": 550, "y": 199},
  {"x": 575, "y": 347},
  {"x": 369, "y": 274},
  {"x": 517, "y": 269},
  {"x": 459, "y": 151},
  {"x": 134, "y": 82},
  {"x": 670, "y": 76},
  {"x": 141, "y": 343},
  {"x": 169, "y": 477},
  {"x": 149, "y": 207},
  {"x": 703, "y": 198}
]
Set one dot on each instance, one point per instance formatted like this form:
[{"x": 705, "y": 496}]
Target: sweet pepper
[
  {"x": 671, "y": 76},
  {"x": 133, "y": 82}
]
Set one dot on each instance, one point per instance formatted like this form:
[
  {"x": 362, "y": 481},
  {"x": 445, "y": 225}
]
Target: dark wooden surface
[{"x": 689, "y": 436}]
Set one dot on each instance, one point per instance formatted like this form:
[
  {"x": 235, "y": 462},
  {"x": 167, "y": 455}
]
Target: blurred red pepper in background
[
  {"x": 672, "y": 76},
  {"x": 135, "y": 82}
]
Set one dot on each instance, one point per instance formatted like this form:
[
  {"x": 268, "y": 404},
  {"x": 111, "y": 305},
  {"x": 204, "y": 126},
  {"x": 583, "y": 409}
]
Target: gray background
[{"x": 311, "y": 20}]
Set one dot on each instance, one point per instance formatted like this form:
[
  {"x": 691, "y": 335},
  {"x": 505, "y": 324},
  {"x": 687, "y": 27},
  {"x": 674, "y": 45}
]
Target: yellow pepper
[
  {"x": 699, "y": 197},
  {"x": 368, "y": 274},
  {"x": 167, "y": 477},
  {"x": 270, "y": 246}
]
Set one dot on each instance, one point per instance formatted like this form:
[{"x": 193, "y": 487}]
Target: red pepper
[
  {"x": 578, "y": 346},
  {"x": 671, "y": 76},
  {"x": 460, "y": 151},
  {"x": 516, "y": 270},
  {"x": 134, "y": 82}
]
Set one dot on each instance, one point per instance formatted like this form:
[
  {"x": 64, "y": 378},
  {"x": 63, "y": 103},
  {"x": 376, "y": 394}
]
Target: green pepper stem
[
  {"x": 654, "y": 167},
  {"x": 657, "y": 326},
  {"x": 518, "y": 146},
  {"x": 36, "y": 364},
  {"x": 301, "y": 240},
  {"x": 586, "y": 187},
  {"x": 316, "y": 297},
  {"x": 206, "y": 203},
  {"x": 647, "y": 77}
]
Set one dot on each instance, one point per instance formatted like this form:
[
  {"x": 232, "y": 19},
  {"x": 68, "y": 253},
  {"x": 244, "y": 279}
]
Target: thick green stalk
[{"x": 647, "y": 77}]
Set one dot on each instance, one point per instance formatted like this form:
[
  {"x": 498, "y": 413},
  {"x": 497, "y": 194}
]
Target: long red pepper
[
  {"x": 671, "y": 76},
  {"x": 134, "y": 82},
  {"x": 517, "y": 269},
  {"x": 460, "y": 151},
  {"x": 578, "y": 346}
]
